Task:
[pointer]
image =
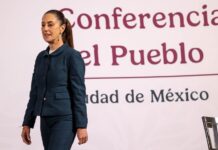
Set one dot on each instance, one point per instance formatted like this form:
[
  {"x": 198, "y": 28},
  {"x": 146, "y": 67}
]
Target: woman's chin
[{"x": 50, "y": 41}]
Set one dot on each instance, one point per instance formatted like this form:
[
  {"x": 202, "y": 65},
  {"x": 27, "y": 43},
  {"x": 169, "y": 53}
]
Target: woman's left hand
[{"x": 82, "y": 135}]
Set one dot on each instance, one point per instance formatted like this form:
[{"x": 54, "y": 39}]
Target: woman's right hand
[{"x": 26, "y": 135}]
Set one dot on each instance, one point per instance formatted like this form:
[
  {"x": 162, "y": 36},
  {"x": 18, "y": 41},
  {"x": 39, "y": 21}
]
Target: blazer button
[{"x": 44, "y": 98}]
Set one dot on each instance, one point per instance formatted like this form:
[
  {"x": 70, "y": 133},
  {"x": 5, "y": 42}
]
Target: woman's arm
[
  {"x": 29, "y": 118},
  {"x": 78, "y": 89},
  {"x": 26, "y": 135}
]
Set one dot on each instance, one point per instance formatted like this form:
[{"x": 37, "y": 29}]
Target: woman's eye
[{"x": 50, "y": 25}]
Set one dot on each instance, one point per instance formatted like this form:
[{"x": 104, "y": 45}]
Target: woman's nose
[{"x": 45, "y": 28}]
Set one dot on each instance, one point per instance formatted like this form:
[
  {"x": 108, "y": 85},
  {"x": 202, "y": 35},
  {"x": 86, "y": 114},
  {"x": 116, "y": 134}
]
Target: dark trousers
[{"x": 57, "y": 132}]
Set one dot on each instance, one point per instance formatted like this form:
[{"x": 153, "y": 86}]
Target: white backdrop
[{"x": 157, "y": 118}]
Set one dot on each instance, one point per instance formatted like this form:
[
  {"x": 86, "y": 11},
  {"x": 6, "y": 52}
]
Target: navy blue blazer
[{"x": 58, "y": 87}]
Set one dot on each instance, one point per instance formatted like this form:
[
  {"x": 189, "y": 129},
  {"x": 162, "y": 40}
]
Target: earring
[{"x": 59, "y": 36}]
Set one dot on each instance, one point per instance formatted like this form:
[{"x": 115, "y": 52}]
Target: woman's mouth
[{"x": 47, "y": 35}]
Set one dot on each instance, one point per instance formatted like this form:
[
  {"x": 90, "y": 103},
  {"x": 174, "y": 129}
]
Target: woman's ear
[{"x": 63, "y": 27}]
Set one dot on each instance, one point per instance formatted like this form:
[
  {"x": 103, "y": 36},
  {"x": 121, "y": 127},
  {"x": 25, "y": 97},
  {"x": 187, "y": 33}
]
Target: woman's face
[{"x": 51, "y": 28}]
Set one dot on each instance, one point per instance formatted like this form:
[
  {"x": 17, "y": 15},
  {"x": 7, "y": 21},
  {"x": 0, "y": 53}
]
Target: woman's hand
[
  {"x": 82, "y": 135},
  {"x": 26, "y": 135}
]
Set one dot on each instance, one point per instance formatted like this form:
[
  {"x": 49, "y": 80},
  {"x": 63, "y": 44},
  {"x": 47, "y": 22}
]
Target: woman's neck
[{"x": 56, "y": 45}]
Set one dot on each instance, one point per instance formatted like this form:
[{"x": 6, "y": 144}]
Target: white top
[{"x": 51, "y": 51}]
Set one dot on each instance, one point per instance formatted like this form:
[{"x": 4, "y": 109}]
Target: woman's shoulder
[
  {"x": 72, "y": 52},
  {"x": 40, "y": 54},
  {"x": 74, "y": 56}
]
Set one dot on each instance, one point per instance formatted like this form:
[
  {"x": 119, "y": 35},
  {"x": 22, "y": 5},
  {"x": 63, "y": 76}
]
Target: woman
[{"x": 57, "y": 92}]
